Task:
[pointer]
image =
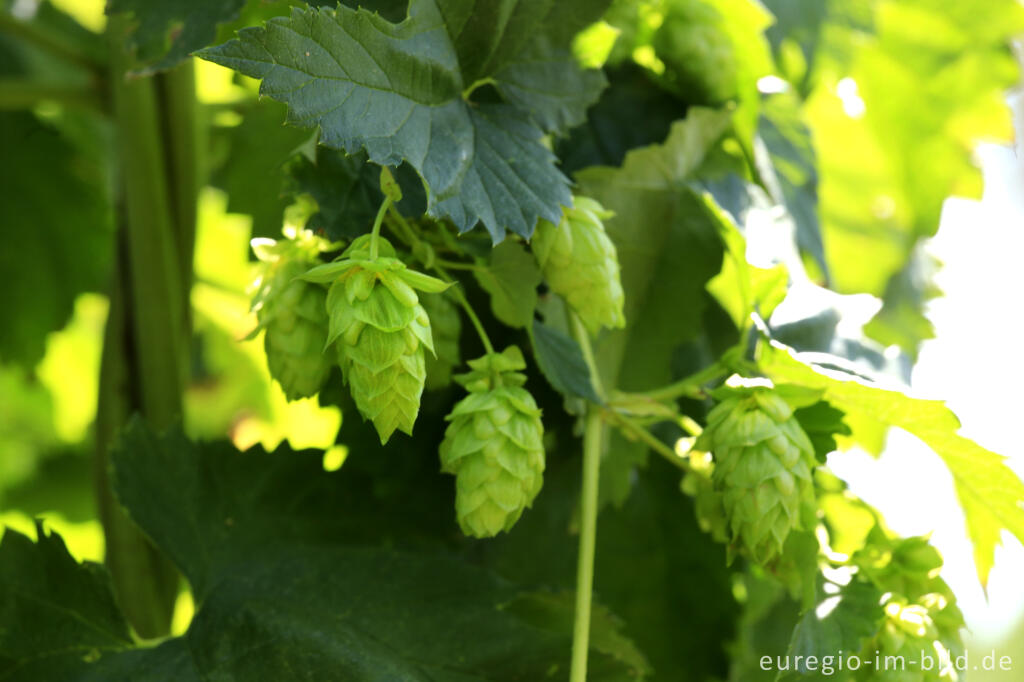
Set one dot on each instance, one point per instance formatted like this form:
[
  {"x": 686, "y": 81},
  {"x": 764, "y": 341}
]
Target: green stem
[
  {"x": 375, "y": 235},
  {"x": 638, "y": 432},
  {"x": 592, "y": 438},
  {"x": 688, "y": 386},
  {"x": 470, "y": 313},
  {"x": 454, "y": 265}
]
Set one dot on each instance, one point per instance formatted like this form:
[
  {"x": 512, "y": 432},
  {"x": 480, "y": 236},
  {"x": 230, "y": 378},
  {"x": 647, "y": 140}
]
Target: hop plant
[
  {"x": 580, "y": 263},
  {"x": 381, "y": 331},
  {"x": 763, "y": 465},
  {"x": 447, "y": 328},
  {"x": 693, "y": 43},
  {"x": 494, "y": 445},
  {"x": 290, "y": 312}
]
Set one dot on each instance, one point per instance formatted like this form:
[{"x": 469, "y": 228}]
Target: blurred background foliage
[{"x": 859, "y": 116}]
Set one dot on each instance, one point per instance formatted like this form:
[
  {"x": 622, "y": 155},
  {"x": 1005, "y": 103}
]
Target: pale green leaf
[
  {"x": 511, "y": 278},
  {"x": 991, "y": 494}
]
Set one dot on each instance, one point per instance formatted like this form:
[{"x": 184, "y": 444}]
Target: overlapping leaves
[{"x": 402, "y": 92}]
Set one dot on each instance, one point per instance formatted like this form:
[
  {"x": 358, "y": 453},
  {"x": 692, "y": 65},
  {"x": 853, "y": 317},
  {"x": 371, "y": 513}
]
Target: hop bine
[
  {"x": 579, "y": 262},
  {"x": 380, "y": 330},
  {"x": 290, "y": 312},
  {"x": 494, "y": 445},
  {"x": 762, "y": 470}
]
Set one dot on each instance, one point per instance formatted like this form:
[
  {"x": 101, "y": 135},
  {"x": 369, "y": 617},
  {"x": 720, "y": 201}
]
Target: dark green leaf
[
  {"x": 52, "y": 606},
  {"x": 166, "y": 32},
  {"x": 840, "y": 623},
  {"x": 631, "y": 113},
  {"x": 346, "y": 190},
  {"x": 561, "y": 360},
  {"x": 483, "y": 162},
  {"x": 511, "y": 278},
  {"x": 822, "y": 422}
]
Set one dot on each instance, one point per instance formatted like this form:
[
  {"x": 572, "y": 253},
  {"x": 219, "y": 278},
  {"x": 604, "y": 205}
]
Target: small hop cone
[
  {"x": 291, "y": 313},
  {"x": 579, "y": 262},
  {"x": 907, "y": 634},
  {"x": 763, "y": 465},
  {"x": 381, "y": 332},
  {"x": 447, "y": 328},
  {"x": 494, "y": 445}
]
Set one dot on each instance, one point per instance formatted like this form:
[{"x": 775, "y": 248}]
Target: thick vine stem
[{"x": 593, "y": 440}]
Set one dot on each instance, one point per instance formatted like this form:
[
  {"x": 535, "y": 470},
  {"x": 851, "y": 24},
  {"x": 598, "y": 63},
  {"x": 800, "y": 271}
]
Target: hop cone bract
[
  {"x": 381, "y": 332},
  {"x": 580, "y": 263},
  {"x": 908, "y": 635},
  {"x": 291, "y": 313},
  {"x": 494, "y": 445},
  {"x": 763, "y": 465},
  {"x": 447, "y": 328}
]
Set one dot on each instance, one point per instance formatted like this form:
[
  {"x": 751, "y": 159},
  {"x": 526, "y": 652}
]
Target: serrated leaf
[
  {"x": 53, "y": 607},
  {"x": 511, "y": 278},
  {"x": 277, "y": 552},
  {"x": 561, "y": 360},
  {"x": 990, "y": 493},
  {"x": 397, "y": 91}
]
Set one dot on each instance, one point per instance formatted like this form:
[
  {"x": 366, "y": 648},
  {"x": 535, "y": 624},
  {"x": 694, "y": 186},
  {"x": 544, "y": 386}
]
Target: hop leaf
[
  {"x": 447, "y": 328},
  {"x": 579, "y": 262},
  {"x": 494, "y": 445},
  {"x": 291, "y": 313},
  {"x": 763, "y": 465},
  {"x": 381, "y": 331}
]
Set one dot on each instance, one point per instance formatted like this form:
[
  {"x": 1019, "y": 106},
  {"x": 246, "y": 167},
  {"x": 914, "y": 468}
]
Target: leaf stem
[
  {"x": 21, "y": 93},
  {"x": 688, "y": 386},
  {"x": 464, "y": 302},
  {"x": 634, "y": 430}
]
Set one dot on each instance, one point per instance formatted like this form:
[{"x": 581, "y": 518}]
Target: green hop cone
[
  {"x": 494, "y": 445},
  {"x": 579, "y": 262},
  {"x": 700, "y": 58},
  {"x": 447, "y": 328},
  {"x": 763, "y": 466},
  {"x": 909, "y": 633},
  {"x": 381, "y": 332},
  {"x": 291, "y": 313}
]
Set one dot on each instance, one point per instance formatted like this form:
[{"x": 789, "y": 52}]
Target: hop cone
[
  {"x": 447, "y": 328},
  {"x": 291, "y": 313},
  {"x": 579, "y": 262},
  {"x": 908, "y": 634},
  {"x": 763, "y": 464},
  {"x": 381, "y": 332},
  {"x": 694, "y": 44},
  {"x": 494, "y": 445}
]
